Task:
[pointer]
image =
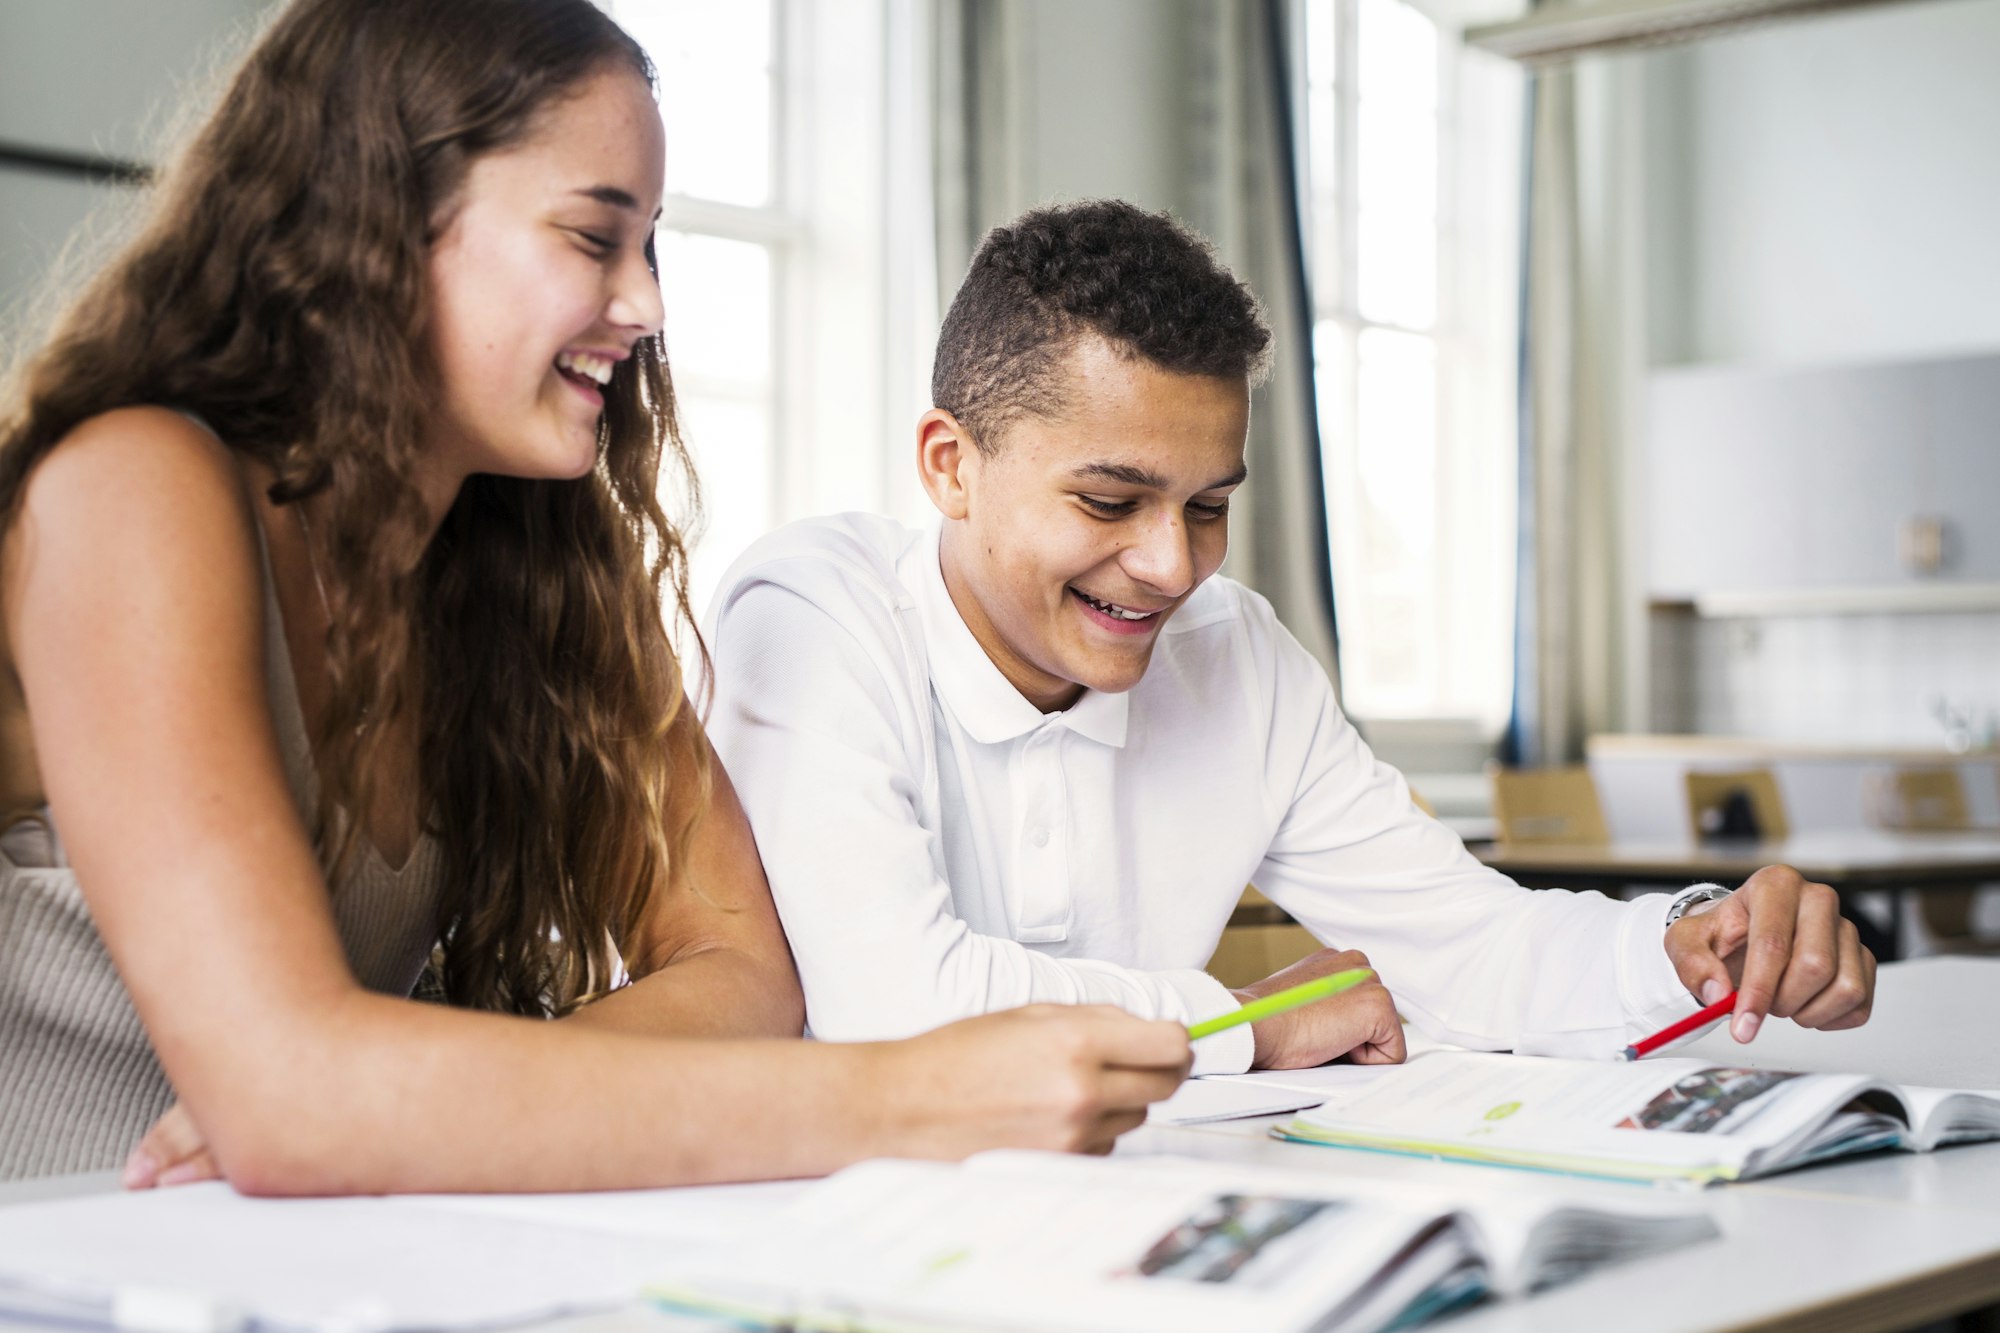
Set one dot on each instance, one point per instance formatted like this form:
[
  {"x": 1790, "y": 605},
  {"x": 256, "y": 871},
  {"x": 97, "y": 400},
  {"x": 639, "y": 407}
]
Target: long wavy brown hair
[{"x": 277, "y": 290}]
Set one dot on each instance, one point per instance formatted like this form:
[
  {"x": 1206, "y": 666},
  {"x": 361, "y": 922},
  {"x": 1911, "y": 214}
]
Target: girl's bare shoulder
[
  {"x": 141, "y": 499},
  {"x": 135, "y": 454}
]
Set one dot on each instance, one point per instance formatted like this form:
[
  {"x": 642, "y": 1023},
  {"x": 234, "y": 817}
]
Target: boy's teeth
[{"x": 1112, "y": 610}]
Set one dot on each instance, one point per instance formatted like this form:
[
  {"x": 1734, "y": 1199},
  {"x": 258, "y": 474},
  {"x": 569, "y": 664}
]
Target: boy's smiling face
[{"x": 1067, "y": 548}]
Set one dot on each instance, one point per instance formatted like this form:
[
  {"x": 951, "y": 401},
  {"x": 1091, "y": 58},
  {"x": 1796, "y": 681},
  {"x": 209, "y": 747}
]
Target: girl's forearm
[{"x": 397, "y": 1097}]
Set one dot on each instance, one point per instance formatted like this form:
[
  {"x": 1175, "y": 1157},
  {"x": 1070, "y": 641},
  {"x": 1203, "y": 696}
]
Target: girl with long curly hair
[{"x": 332, "y": 580}]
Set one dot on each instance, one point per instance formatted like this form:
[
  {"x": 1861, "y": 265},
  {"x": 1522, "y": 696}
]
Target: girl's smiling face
[{"x": 541, "y": 283}]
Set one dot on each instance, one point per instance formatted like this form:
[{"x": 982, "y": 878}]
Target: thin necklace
[{"x": 312, "y": 561}]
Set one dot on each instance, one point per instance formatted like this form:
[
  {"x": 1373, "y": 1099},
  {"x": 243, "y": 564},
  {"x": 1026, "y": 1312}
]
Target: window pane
[
  {"x": 730, "y": 440},
  {"x": 1385, "y": 552},
  {"x": 1397, "y": 260},
  {"x": 718, "y": 301},
  {"x": 1399, "y": 160},
  {"x": 1322, "y": 36},
  {"x": 1398, "y": 56},
  {"x": 1417, "y": 428},
  {"x": 715, "y": 71},
  {"x": 1396, "y": 434}
]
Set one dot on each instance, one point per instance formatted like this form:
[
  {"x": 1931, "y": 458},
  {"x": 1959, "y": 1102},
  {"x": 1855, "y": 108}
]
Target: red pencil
[{"x": 1682, "y": 1028}]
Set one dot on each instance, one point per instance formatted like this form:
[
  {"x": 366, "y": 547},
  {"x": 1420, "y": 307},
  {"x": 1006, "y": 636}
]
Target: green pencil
[{"x": 1303, "y": 993}]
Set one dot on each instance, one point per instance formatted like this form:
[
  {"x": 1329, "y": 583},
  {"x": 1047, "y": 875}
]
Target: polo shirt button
[{"x": 1040, "y": 837}]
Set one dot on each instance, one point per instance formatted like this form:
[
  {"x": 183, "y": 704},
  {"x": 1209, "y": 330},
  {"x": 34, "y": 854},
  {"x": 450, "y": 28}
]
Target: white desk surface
[{"x": 1879, "y": 1243}]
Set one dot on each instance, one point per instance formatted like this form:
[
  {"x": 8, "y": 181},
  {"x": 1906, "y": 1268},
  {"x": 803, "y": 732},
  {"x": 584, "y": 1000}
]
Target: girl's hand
[
  {"x": 1070, "y": 1078},
  {"x": 173, "y": 1152}
]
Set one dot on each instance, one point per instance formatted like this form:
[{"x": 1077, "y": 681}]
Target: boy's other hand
[{"x": 1361, "y": 1024}]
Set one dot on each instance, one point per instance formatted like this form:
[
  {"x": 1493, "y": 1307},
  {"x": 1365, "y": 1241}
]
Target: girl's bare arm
[{"x": 134, "y": 610}]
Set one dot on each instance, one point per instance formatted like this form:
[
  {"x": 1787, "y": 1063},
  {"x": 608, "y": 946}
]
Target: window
[
  {"x": 796, "y": 214},
  {"x": 1413, "y": 157},
  {"x": 725, "y": 241}
]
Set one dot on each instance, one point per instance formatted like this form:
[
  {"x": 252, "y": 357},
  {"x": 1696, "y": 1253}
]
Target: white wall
[
  {"x": 1824, "y": 193},
  {"x": 1830, "y": 189},
  {"x": 1108, "y": 98},
  {"x": 109, "y": 78}
]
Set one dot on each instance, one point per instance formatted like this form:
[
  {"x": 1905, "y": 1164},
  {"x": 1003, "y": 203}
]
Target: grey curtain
[
  {"x": 1234, "y": 179},
  {"x": 1581, "y": 311}
]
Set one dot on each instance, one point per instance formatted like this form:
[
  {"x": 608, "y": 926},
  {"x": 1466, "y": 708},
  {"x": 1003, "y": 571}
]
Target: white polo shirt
[{"x": 940, "y": 848}]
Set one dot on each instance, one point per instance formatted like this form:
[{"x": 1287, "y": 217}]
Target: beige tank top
[{"x": 78, "y": 1080}]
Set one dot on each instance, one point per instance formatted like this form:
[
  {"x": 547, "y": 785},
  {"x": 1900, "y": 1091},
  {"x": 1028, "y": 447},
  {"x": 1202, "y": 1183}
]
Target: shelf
[{"x": 1860, "y": 600}]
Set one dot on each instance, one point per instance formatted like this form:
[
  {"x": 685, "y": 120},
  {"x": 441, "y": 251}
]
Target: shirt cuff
[
  {"x": 1229, "y": 1051},
  {"x": 1651, "y": 989}
]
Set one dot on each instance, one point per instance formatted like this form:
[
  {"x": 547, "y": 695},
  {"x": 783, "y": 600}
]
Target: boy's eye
[
  {"x": 603, "y": 245},
  {"x": 1108, "y": 508},
  {"x": 1209, "y": 509}
]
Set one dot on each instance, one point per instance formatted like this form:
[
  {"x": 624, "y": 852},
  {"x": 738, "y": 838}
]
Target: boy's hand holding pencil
[
  {"x": 1781, "y": 945},
  {"x": 1327, "y": 1005}
]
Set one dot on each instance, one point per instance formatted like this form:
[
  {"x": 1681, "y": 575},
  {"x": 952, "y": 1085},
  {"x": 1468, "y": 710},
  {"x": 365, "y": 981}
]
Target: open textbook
[
  {"x": 1648, "y": 1120},
  {"x": 1020, "y": 1241},
  {"x": 1009, "y": 1241}
]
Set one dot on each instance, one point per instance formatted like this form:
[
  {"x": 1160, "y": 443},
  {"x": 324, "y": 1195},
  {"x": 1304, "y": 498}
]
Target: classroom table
[
  {"x": 1851, "y": 862},
  {"x": 1884, "y": 1242}
]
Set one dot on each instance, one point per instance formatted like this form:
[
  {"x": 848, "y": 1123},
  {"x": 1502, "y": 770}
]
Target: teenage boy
[{"x": 1034, "y": 754}]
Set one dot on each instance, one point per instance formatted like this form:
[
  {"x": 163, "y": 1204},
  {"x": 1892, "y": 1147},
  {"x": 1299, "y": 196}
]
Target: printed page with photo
[
  {"x": 1652, "y": 1119},
  {"x": 1045, "y": 1242}
]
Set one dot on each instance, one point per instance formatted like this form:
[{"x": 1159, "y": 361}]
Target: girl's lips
[
  {"x": 587, "y": 388},
  {"x": 1127, "y": 628}
]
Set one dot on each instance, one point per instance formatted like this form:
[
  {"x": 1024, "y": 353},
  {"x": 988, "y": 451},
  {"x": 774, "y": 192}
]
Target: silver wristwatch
[{"x": 1694, "y": 897}]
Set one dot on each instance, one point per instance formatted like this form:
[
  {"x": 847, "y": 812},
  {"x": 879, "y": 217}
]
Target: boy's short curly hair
[{"x": 1148, "y": 285}]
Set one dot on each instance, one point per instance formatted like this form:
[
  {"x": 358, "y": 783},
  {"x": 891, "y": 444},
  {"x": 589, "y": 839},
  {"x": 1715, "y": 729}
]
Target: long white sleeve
[
  {"x": 1472, "y": 958},
  {"x": 812, "y": 719}
]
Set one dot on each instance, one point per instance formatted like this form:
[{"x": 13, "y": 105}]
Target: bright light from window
[
  {"x": 717, "y": 294},
  {"x": 714, "y": 63},
  {"x": 1414, "y": 372},
  {"x": 719, "y": 261}
]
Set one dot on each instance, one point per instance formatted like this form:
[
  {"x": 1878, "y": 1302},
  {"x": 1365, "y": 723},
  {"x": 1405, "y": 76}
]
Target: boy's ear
[{"x": 946, "y": 456}]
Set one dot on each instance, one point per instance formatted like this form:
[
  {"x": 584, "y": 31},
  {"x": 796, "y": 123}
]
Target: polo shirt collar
[{"x": 985, "y": 702}]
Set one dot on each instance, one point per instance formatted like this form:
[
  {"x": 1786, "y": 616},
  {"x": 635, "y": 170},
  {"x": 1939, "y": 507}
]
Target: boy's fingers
[
  {"x": 1390, "y": 1046},
  {"x": 1854, "y": 1018},
  {"x": 1767, "y": 949},
  {"x": 1851, "y": 989},
  {"x": 1816, "y": 960}
]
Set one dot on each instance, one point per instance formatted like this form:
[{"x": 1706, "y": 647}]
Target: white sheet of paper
[
  {"x": 203, "y": 1259},
  {"x": 700, "y": 1214},
  {"x": 1202, "y": 1100}
]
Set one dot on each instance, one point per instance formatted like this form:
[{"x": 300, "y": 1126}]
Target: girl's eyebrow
[
  {"x": 615, "y": 197},
  {"x": 609, "y": 194}
]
